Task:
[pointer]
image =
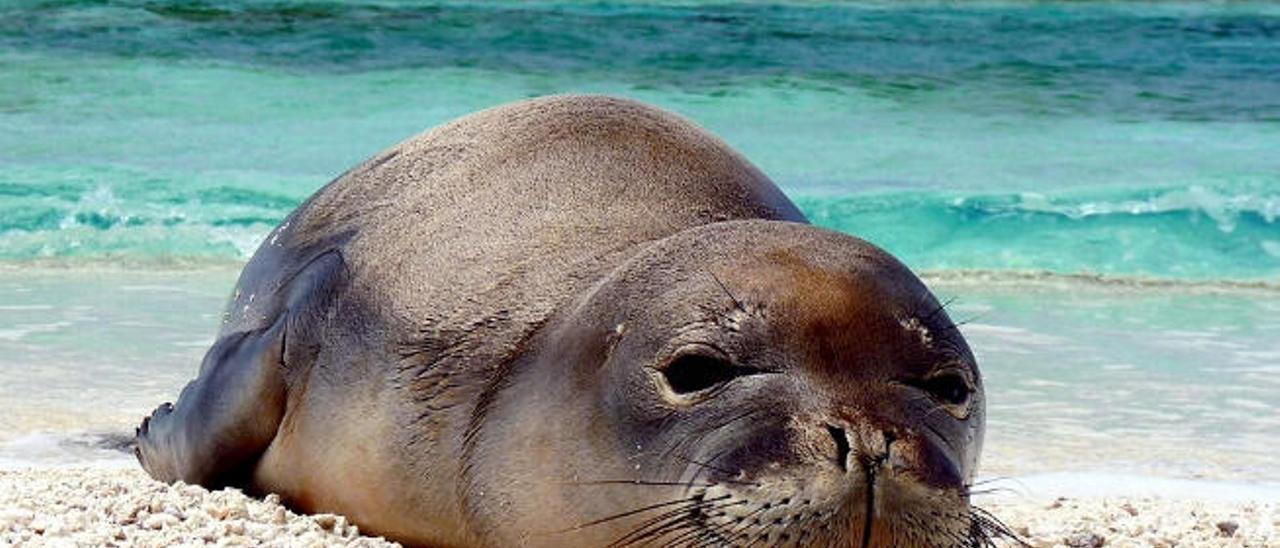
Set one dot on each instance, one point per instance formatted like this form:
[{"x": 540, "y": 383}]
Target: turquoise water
[
  {"x": 1097, "y": 183},
  {"x": 1121, "y": 139}
]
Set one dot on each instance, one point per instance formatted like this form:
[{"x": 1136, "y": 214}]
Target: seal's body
[{"x": 581, "y": 320}]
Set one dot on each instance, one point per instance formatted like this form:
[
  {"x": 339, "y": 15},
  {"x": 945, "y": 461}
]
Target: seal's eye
[
  {"x": 695, "y": 372},
  {"x": 948, "y": 387}
]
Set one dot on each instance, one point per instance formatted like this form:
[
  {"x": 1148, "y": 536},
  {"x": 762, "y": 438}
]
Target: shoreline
[{"x": 123, "y": 507}]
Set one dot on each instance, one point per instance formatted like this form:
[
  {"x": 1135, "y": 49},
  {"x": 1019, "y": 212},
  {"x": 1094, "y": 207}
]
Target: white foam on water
[
  {"x": 21, "y": 331},
  {"x": 63, "y": 450},
  {"x": 24, "y": 307}
]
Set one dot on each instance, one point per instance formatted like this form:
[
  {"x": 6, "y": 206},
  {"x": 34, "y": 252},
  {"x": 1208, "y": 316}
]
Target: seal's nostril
[{"x": 842, "y": 446}]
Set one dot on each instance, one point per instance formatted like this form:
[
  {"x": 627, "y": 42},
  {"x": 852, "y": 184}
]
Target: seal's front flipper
[{"x": 225, "y": 418}]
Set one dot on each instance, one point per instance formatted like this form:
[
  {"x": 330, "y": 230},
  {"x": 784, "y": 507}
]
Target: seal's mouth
[
  {"x": 879, "y": 509},
  {"x": 848, "y": 486},
  {"x": 869, "y": 511}
]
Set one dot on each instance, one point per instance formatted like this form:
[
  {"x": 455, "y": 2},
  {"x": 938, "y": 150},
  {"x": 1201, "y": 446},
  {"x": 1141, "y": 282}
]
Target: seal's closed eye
[
  {"x": 691, "y": 373},
  {"x": 948, "y": 387}
]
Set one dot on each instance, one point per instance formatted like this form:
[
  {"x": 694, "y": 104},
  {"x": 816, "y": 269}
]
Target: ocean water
[{"x": 1099, "y": 183}]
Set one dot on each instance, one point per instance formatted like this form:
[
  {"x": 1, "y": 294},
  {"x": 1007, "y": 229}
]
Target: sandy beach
[
  {"x": 97, "y": 507},
  {"x": 1140, "y": 521}
]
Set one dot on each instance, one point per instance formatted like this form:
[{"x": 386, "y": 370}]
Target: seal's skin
[{"x": 580, "y": 320}]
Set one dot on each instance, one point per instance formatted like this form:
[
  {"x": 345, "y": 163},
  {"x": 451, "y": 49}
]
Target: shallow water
[
  {"x": 1081, "y": 378},
  {"x": 87, "y": 350}
]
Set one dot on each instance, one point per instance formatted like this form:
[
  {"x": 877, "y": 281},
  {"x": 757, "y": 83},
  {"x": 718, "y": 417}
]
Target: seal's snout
[
  {"x": 875, "y": 447},
  {"x": 860, "y": 448}
]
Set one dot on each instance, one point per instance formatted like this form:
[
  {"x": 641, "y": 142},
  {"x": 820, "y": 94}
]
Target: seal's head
[{"x": 747, "y": 382}]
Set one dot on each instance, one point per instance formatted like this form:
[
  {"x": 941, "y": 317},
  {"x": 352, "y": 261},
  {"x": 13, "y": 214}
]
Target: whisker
[
  {"x": 655, "y": 527},
  {"x": 707, "y": 527},
  {"x": 940, "y": 308},
  {"x": 992, "y": 480},
  {"x": 625, "y": 514},
  {"x": 643, "y": 483},
  {"x": 955, "y": 326},
  {"x": 985, "y": 527},
  {"x": 736, "y": 303},
  {"x": 706, "y": 465},
  {"x": 658, "y": 525},
  {"x": 992, "y": 491}
]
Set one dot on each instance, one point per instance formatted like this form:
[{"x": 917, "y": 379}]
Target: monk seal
[{"x": 578, "y": 321}]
